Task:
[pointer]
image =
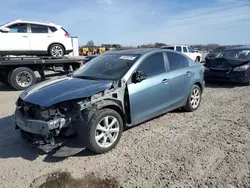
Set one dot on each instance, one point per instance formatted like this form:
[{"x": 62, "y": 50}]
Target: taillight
[{"x": 67, "y": 35}]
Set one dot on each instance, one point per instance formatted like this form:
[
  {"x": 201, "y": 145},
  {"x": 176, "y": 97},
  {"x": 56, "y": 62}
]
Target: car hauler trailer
[{"x": 18, "y": 72}]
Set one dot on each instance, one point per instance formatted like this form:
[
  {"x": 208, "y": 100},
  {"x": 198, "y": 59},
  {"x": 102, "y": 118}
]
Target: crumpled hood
[{"x": 62, "y": 89}]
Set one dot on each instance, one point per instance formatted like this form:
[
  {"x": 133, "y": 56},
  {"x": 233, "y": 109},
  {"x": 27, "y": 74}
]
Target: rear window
[
  {"x": 64, "y": 30},
  {"x": 52, "y": 29}
]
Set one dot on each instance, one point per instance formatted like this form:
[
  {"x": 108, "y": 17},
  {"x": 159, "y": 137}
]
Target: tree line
[{"x": 91, "y": 44}]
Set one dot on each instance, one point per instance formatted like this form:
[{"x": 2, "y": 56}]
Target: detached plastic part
[{"x": 71, "y": 148}]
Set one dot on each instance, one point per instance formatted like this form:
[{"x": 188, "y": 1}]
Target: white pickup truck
[{"x": 187, "y": 50}]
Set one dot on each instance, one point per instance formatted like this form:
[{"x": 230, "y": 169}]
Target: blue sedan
[{"x": 114, "y": 90}]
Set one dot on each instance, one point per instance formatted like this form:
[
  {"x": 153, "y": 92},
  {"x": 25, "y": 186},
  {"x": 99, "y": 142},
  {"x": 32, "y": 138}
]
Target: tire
[
  {"x": 190, "y": 105},
  {"x": 89, "y": 135},
  {"x": 21, "y": 78},
  {"x": 4, "y": 77},
  {"x": 56, "y": 50},
  {"x": 197, "y": 59}
]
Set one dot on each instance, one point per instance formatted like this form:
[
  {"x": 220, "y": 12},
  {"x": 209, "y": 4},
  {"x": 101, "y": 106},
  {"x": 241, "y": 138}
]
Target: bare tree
[{"x": 90, "y": 43}]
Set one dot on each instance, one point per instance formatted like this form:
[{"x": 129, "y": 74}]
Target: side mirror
[
  {"x": 138, "y": 76},
  {"x": 5, "y": 30}
]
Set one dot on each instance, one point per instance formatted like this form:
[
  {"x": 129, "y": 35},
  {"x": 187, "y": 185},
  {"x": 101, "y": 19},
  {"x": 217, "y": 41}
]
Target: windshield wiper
[{"x": 87, "y": 77}]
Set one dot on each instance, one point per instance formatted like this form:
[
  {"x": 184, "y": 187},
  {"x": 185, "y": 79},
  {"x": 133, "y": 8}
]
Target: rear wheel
[
  {"x": 21, "y": 78},
  {"x": 56, "y": 50},
  {"x": 194, "y": 99}
]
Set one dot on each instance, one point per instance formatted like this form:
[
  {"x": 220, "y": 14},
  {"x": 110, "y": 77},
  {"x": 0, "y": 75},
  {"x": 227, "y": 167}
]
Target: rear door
[
  {"x": 185, "y": 50},
  {"x": 17, "y": 39},
  {"x": 180, "y": 78},
  {"x": 40, "y": 37},
  {"x": 150, "y": 96}
]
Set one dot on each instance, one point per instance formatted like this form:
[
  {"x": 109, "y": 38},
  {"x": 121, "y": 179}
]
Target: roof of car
[
  {"x": 34, "y": 22},
  {"x": 239, "y": 48},
  {"x": 136, "y": 51}
]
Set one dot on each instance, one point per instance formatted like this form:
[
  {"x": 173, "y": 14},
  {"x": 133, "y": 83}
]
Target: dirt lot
[{"x": 207, "y": 148}]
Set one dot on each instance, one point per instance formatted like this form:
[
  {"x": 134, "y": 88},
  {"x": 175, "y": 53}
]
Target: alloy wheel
[
  {"x": 107, "y": 131},
  {"x": 57, "y": 51},
  {"x": 24, "y": 79},
  {"x": 195, "y": 98}
]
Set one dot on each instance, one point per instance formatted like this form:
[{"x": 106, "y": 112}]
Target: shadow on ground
[
  {"x": 64, "y": 179},
  {"x": 223, "y": 85},
  {"x": 4, "y": 87},
  {"x": 12, "y": 145}
]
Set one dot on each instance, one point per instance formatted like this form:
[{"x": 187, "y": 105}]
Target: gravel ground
[{"x": 207, "y": 148}]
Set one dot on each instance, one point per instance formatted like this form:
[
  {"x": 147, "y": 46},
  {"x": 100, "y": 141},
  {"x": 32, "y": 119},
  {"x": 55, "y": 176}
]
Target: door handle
[
  {"x": 188, "y": 73},
  {"x": 164, "y": 81},
  {"x": 25, "y": 36},
  {"x": 49, "y": 36}
]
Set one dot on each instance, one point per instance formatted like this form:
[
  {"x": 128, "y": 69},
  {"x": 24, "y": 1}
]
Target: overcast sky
[{"x": 133, "y": 22}]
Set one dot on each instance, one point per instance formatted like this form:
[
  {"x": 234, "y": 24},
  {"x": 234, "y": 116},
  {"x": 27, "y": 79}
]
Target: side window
[
  {"x": 178, "y": 48},
  {"x": 18, "y": 28},
  {"x": 38, "y": 28},
  {"x": 153, "y": 65},
  {"x": 190, "y": 49},
  {"x": 52, "y": 29},
  {"x": 184, "y": 49},
  {"x": 177, "y": 61}
]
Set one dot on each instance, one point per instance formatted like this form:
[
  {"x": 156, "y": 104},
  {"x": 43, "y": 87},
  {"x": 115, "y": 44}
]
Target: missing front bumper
[
  {"x": 48, "y": 136},
  {"x": 58, "y": 147},
  {"x": 37, "y": 126}
]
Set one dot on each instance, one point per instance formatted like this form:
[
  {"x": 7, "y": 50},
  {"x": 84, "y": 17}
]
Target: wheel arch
[
  {"x": 116, "y": 107},
  {"x": 104, "y": 104},
  {"x": 56, "y": 43},
  {"x": 200, "y": 85}
]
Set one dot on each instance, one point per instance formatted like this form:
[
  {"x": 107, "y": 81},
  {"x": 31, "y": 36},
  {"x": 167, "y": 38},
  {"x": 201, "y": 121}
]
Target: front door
[
  {"x": 17, "y": 39},
  {"x": 149, "y": 97}
]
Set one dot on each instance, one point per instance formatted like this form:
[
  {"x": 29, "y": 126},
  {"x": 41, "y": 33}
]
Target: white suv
[
  {"x": 34, "y": 38},
  {"x": 187, "y": 50}
]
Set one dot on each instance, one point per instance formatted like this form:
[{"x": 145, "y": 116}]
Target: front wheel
[
  {"x": 104, "y": 131},
  {"x": 194, "y": 99}
]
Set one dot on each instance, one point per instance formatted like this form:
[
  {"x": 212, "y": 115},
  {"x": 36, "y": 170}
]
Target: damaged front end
[
  {"x": 49, "y": 128},
  {"x": 55, "y": 127}
]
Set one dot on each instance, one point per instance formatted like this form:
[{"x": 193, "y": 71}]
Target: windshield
[
  {"x": 218, "y": 50},
  {"x": 4, "y": 24},
  {"x": 107, "y": 67},
  {"x": 190, "y": 49},
  {"x": 235, "y": 54}
]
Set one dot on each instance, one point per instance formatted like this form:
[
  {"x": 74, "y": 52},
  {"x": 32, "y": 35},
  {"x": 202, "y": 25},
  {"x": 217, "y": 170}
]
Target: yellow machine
[
  {"x": 101, "y": 50},
  {"x": 111, "y": 46},
  {"x": 86, "y": 51}
]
